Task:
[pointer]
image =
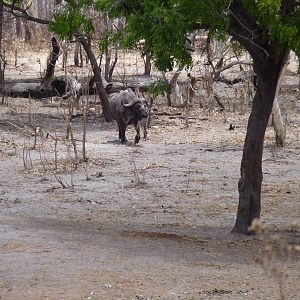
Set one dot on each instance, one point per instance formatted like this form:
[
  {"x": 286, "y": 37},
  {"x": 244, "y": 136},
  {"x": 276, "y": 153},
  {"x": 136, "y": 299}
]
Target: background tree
[
  {"x": 266, "y": 29},
  {"x": 70, "y": 20}
]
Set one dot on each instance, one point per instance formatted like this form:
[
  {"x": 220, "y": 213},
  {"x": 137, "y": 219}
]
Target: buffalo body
[{"x": 128, "y": 109}]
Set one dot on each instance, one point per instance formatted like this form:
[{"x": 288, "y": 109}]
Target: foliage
[
  {"x": 159, "y": 87},
  {"x": 282, "y": 22},
  {"x": 71, "y": 17},
  {"x": 164, "y": 24},
  {"x": 237, "y": 48},
  {"x": 111, "y": 38},
  {"x": 16, "y": 2}
]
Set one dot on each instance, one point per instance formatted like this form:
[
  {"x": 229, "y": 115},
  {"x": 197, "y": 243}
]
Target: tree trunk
[
  {"x": 176, "y": 94},
  {"x": 78, "y": 62},
  {"x": 107, "y": 62},
  {"x": 249, "y": 184},
  {"x": 113, "y": 65},
  {"x": 51, "y": 61},
  {"x": 147, "y": 59},
  {"x": 18, "y": 27},
  {"x": 169, "y": 100},
  {"x": 2, "y": 54},
  {"x": 299, "y": 71},
  {"x": 98, "y": 79},
  {"x": 80, "y": 56},
  {"x": 40, "y": 10},
  {"x": 2, "y": 60},
  {"x": 65, "y": 47},
  {"x": 76, "y": 55},
  {"x": 28, "y": 35},
  {"x": 278, "y": 124},
  {"x": 276, "y": 112}
]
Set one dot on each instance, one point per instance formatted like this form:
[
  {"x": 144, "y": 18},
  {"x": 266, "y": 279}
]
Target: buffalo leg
[
  {"x": 122, "y": 136},
  {"x": 144, "y": 124},
  {"x": 138, "y": 136}
]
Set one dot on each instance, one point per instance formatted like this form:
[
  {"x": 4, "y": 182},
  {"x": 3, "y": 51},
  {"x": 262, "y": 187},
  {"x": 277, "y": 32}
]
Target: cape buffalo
[{"x": 127, "y": 109}]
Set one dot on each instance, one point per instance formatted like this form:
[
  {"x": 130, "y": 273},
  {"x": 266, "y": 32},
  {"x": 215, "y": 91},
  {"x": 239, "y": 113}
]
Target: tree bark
[
  {"x": 269, "y": 59},
  {"x": 98, "y": 79},
  {"x": 276, "y": 112},
  {"x": 18, "y": 27},
  {"x": 147, "y": 60},
  {"x": 113, "y": 65},
  {"x": 278, "y": 124},
  {"x": 28, "y": 34},
  {"x": 2, "y": 60},
  {"x": 107, "y": 62},
  {"x": 250, "y": 182},
  {"x": 176, "y": 94},
  {"x": 51, "y": 61},
  {"x": 78, "y": 62}
]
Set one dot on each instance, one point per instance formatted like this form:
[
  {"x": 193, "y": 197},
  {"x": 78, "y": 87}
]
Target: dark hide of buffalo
[{"x": 128, "y": 109}]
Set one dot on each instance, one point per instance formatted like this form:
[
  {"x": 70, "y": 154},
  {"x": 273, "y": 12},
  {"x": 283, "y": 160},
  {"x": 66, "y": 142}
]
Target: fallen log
[{"x": 26, "y": 88}]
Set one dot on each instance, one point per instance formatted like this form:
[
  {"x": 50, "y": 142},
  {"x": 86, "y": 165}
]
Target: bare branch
[
  {"x": 247, "y": 41},
  {"x": 174, "y": 78},
  {"x": 20, "y": 12},
  {"x": 243, "y": 25},
  {"x": 234, "y": 63}
]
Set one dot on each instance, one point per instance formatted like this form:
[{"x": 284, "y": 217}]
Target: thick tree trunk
[
  {"x": 250, "y": 182},
  {"x": 51, "y": 61},
  {"x": 98, "y": 78}
]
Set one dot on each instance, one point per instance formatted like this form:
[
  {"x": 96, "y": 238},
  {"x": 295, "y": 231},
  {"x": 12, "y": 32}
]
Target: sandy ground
[{"x": 150, "y": 221}]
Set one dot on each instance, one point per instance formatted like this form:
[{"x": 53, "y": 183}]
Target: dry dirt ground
[{"x": 150, "y": 221}]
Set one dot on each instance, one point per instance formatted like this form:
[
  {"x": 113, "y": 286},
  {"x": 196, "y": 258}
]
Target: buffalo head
[{"x": 138, "y": 106}]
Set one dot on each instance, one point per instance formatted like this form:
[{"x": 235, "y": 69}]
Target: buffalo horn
[{"x": 128, "y": 104}]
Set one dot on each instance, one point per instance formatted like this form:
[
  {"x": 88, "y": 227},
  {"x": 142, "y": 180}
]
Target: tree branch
[
  {"x": 249, "y": 44},
  {"x": 240, "y": 62},
  {"x": 247, "y": 32},
  {"x": 20, "y": 12}
]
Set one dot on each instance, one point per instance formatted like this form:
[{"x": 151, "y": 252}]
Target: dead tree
[
  {"x": 78, "y": 59},
  {"x": 110, "y": 62},
  {"x": 276, "y": 112},
  {"x": 148, "y": 65}
]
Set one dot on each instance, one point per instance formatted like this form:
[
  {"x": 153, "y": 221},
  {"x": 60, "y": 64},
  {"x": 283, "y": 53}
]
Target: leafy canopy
[
  {"x": 282, "y": 23},
  {"x": 164, "y": 24},
  {"x": 72, "y": 17}
]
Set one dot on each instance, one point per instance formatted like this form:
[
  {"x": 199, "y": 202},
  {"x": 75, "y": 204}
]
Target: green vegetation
[{"x": 267, "y": 29}]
